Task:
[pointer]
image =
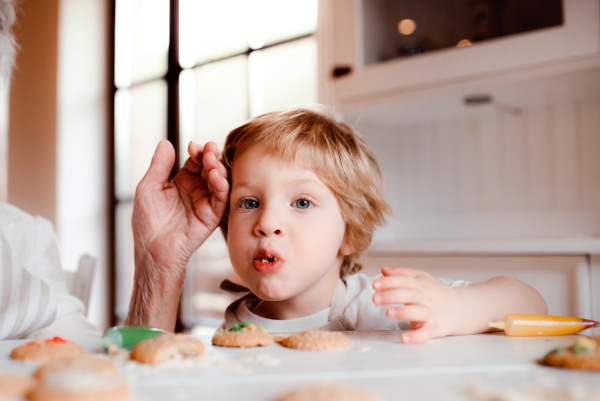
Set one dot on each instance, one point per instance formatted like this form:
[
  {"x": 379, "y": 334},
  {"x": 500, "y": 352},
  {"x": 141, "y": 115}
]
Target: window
[{"x": 193, "y": 70}]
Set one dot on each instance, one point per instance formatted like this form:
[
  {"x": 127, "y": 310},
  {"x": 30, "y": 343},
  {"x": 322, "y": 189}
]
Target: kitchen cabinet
[{"x": 350, "y": 29}]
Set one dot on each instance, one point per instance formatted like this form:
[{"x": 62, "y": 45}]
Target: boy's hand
[
  {"x": 170, "y": 222},
  {"x": 430, "y": 305}
]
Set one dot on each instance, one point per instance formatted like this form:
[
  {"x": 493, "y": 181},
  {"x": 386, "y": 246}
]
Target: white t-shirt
[
  {"x": 352, "y": 302},
  {"x": 34, "y": 298}
]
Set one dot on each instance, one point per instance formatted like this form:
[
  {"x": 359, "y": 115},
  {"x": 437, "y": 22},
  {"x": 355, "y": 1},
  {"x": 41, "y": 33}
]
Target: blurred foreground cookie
[
  {"x": 328, "y": 392},
  {"x": 162, "y": 348},
  {"x": 242, "y": 335},
  {"x": 315, "y": 340},
  {"x": 83, "y": 363},
  {"x": 46, "y": 350},
  {"x": 80, "y": 386},
  {"x": 15, "y": 386},
  {"x": 584, "y": 354}
]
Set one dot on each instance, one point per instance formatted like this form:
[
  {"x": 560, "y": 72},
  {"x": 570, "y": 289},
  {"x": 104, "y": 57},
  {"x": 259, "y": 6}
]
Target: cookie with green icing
[
  {"x": 584, "y": 354},
  {"x": 242, "y": 335}
]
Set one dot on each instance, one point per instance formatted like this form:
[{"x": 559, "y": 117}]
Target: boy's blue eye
[
  {"x": 302, "y": 204},
  {"x": 250, "y": 204}
]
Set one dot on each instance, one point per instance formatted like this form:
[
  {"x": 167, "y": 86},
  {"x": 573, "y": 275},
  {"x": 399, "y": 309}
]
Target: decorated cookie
[
  {"x": 315, "y": 340},
  {"x": 242, "y": 335},
  {"x": 584, "y": 354},
  {"x": 83, "y": 363},
  {"x": 46, "y": 350},
  {"x": 328, "y": 392},
  {"x": 14, "y": 386},
  {"x": 162, "y": 348},
  {"x": 80, "y": 386}
]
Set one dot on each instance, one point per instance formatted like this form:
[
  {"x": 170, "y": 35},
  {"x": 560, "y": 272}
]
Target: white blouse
[{"x": 34, "y": 298}]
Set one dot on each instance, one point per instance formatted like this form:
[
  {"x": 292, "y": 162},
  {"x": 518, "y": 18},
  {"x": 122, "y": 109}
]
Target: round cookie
[
  {"x": 584, "y": 354},
  {"x": 328, "y": 392},
  {"x": 315, "y": 340},
  {"x": 162, "y": 348},
  {"x": 80, "y": 386},
  {"x": 242, "y": 335},
  {"x": 15, "y": 386},
  {"x": 47, "y": 350},
  {"x": 87, "y": 363}
]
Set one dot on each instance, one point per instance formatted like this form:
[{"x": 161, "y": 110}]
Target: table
[{"x": 442, "y": 369}]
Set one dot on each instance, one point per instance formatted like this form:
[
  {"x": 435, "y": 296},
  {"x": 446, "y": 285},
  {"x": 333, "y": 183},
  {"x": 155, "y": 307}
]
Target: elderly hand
[{"x": 170, "y": 221}]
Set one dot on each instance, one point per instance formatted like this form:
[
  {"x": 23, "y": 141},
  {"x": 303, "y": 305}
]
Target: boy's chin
[{"x": 271, "y": 292}]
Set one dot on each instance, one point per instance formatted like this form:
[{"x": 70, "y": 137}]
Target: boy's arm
[{"x": 436, "y": 310}]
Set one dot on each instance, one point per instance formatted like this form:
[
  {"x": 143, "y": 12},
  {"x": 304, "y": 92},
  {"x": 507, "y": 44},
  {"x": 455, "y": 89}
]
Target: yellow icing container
[{"x": 515, "y": 325}]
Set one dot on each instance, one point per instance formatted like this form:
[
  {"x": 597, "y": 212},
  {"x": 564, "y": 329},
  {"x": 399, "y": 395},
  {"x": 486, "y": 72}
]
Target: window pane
[
  {"x": 276, "y": 20},
  {"x": 203, "y": 302},
  {"x": 140, "y": 123},
  {"x": 125, "y": 262},
  {"x": 291, "y": 70},
  {"x": 141, "y": 40},
  {"x": 213, "y": 101},
  {"x": 211, "y": 29}
]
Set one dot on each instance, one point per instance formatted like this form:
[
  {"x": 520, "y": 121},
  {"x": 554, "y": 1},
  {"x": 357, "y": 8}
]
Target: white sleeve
[
  {"x": 27, "y": 303},
  {"x": 70, "y": 311},
  {"x": 454, "y": 283},
  {"x": 34, "y": 298}
]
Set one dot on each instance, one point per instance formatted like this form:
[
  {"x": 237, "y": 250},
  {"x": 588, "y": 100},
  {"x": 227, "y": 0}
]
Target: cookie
[
  {"x": 15, "y": 386},
  {"x": 46, "y": 350},
  {"x": 242, "y": 335},
  {"x": 584, "y": 354},
  {"x": 328, "y": 392},
  {"x": 88, "y": 363},
  {"x": 315, "y": 340},
  {"x": 162, "y": 348},
  {"x": 80, "y": 386}
]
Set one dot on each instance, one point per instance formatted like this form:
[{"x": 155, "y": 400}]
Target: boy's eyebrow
[{"x": 299, "y": 181}]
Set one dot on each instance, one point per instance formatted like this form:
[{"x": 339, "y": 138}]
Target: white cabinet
[{"x": 342, "y": 44}]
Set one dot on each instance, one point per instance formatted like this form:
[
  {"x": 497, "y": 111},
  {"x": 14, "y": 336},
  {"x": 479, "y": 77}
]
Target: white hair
[{"x": 7, "y": 40}]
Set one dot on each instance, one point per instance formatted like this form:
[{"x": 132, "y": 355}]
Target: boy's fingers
[
  {"x": 418, "y": 336},
  {"x": 398, "y": 296},
  {"x": 390, "y": 282},
  {"x": 394, "y": 271},
  {"x": 413, "y": 313}
]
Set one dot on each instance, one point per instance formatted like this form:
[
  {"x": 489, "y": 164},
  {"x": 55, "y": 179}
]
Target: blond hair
[{"x": 338, "y": 156}]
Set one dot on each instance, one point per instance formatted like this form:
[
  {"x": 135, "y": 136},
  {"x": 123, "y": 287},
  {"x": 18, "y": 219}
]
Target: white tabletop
[{"x": 442, "y": 369}]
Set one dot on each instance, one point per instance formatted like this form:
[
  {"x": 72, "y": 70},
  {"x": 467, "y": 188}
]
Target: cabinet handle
[{"x": 341, "y": 70}]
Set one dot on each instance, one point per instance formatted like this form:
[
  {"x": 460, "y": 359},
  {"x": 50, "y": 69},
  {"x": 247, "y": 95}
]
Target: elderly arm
[{"x": 170, "y": 221}]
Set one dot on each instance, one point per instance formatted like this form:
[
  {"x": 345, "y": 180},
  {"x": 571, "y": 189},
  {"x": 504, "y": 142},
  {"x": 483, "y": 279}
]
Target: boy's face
[{"x": 285, "y": 228}]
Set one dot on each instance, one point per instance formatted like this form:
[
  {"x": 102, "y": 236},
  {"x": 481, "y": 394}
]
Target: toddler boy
[{"x": 306, "y": 196}]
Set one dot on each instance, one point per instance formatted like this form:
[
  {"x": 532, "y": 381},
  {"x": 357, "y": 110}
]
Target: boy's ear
[{"x": 347, "y": 248}]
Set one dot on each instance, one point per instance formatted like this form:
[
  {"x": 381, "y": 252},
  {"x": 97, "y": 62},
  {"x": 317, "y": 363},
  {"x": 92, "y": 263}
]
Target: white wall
[
  {"x": 458, "y": 172},
  {"x": 81, "y": 220}
]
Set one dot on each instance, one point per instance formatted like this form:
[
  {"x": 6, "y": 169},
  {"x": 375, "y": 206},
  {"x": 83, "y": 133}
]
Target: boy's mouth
[{"x": 267, "y": 261}]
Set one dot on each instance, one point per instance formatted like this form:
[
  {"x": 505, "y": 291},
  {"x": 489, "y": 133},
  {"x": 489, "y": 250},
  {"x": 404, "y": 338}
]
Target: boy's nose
[{"x": 268, "y": 226}]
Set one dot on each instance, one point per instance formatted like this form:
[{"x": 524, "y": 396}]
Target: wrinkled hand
[
  {"x": 429, "y": 304},
  {"x": 170, "y": 222}
]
